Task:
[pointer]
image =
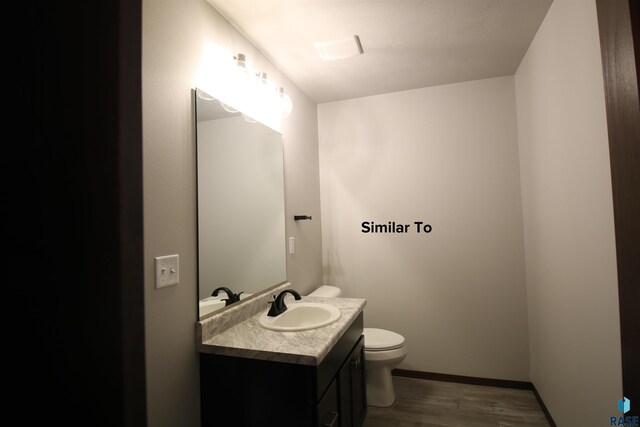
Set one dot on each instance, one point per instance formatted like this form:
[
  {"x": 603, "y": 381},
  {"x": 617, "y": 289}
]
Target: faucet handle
[
  {"x": 231, "y": 297},
  {"x": 273, "y": 311}
]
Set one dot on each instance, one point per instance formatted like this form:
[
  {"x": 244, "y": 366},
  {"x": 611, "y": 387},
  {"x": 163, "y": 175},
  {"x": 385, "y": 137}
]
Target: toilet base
[{"x": 380, "y": 387}]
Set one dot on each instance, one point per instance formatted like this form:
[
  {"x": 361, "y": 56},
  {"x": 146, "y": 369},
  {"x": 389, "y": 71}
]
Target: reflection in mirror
[{"x": 241, "y": 235}]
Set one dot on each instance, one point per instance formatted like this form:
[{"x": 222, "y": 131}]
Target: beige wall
[
  {"x": 568, "y": 219},
  {"x": 174, "y": 34},
  {"x": 448, "y": 156}
]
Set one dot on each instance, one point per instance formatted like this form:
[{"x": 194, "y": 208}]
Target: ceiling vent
[{"x": 339, "y": 49}]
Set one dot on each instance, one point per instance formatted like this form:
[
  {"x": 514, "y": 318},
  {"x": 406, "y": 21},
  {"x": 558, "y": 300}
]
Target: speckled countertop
[{"x": 250, "y": 340}]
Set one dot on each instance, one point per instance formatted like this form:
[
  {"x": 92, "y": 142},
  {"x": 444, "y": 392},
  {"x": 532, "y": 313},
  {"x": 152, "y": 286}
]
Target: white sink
[
  {"x": 209, "y": 305},
  {"x": 301, "y": 316}
]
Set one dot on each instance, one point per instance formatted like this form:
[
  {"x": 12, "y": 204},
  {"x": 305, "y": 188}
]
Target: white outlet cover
[{"x": 167, "y": 271}]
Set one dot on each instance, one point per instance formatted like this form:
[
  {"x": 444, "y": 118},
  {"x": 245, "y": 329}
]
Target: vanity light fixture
[
  {"x": 339, "y": 49},
  {"x": 254, "y": 88}
]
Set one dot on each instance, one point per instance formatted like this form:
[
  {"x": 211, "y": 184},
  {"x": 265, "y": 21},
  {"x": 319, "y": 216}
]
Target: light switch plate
[
  {"x": 292, "y": 245},
  {"x": 167, "y": 271}
]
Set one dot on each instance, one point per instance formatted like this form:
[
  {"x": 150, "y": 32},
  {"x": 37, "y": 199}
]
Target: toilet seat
[{"x": 381, "y": 340}]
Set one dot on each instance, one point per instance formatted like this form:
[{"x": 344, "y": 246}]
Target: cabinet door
[
  {"x": 358, "y": 385},
  {"x": 327, "y": 409},
  {"x": 352, "y": 388}
]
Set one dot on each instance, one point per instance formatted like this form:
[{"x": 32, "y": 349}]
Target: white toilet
[{"x": 383, "y": 351}]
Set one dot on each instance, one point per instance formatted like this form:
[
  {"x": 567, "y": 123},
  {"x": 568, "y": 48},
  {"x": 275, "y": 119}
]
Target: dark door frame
[
  {"x": 620, "y": 47},
  {"x": 73, "y": 222}
]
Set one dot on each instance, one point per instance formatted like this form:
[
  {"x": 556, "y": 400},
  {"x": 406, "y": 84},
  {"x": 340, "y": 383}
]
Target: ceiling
[{"x": 407, "y": 44}]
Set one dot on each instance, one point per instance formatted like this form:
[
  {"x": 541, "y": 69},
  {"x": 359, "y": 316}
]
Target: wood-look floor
[{"x": 428, "y": 403}]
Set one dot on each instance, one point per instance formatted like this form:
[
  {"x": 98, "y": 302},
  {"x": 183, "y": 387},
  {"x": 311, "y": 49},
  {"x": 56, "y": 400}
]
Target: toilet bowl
[{"x": 383, "y": 351}]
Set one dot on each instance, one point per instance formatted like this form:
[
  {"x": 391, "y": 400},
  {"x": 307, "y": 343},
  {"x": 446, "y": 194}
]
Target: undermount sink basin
[{"x": 301, "y": 316}]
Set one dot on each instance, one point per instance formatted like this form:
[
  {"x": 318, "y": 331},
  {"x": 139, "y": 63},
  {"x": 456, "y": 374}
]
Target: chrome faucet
[
  {"x": 278, "y": 306},
  {"x": 231, "y": 297}
]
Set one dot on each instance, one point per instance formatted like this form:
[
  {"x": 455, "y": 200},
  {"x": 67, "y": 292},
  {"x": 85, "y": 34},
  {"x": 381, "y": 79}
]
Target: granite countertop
[{"x": 250, "y": 340}]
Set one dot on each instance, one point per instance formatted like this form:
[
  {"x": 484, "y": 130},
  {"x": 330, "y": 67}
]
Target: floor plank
[{"x": 426, "y": 403}]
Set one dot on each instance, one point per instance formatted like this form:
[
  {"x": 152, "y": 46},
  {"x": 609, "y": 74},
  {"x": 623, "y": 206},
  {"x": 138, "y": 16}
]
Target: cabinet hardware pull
[{"x": 332, "y": 423}]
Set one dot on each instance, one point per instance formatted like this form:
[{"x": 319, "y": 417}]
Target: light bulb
[
  {"x": 262, "y": 79},
  {"x": 264, "y": 95},
  {"x": 243, "y": 70},
  {"x": 242, "y": 82},
  {"x": 265, "y": 87},
  {"x": 286, "y": 106}
]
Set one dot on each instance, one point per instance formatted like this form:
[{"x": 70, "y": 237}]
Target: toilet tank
[{"x": 326, "y": 291}]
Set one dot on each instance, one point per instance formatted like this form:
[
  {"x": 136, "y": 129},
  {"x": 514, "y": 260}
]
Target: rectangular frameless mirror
[{"x": 241, "y": 234}]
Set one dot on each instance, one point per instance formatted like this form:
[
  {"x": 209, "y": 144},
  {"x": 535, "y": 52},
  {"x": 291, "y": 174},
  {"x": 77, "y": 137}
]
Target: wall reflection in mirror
[{"x": 241, "y": 231}]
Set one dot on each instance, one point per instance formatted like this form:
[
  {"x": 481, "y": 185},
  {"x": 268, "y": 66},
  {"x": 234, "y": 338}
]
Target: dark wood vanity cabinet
[{"x": 244, "y": 392}]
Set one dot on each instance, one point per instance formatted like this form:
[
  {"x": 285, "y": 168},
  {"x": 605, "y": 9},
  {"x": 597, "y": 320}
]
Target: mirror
[{"x": 241, "y": 234}]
